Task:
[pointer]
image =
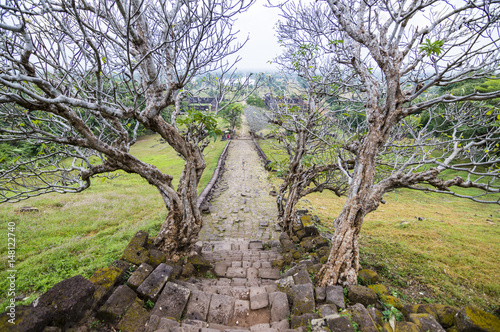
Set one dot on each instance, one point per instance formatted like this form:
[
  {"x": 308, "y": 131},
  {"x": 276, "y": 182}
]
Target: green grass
[
  {"x": 428, "y": 247},
  {"x": 78, "y": 233}
]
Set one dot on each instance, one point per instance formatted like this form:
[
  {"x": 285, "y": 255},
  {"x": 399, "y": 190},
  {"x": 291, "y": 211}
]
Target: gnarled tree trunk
[
  {"x": 286, "y": 205},
  {"x": 180, "y": 230},
  {"x": 343, "y": 263}
]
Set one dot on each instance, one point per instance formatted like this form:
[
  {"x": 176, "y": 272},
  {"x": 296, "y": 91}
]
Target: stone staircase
[{"x": 242, "y": 296}]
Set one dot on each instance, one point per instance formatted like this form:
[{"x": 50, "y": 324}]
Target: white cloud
[{"x": 258, "y": 24}]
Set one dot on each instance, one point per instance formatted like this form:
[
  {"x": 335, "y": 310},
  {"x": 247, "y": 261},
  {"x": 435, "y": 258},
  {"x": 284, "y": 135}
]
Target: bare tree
[
  {"x": 82, "y": 76},
  {"x": 304, "y": 131},
  {"x": 394, "y": 56}
]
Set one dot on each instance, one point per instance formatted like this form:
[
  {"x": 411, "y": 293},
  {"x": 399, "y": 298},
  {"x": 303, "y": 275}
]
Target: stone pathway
[
  {"x": 239, "y": 238},
  {"x": 241, "y": 207}
]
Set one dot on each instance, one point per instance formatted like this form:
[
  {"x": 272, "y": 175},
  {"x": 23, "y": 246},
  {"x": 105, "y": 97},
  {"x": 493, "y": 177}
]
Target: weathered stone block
[
  {"x": 152, "y": 323},
  {"x": 156, "y": 257},
  {"x": 220, "y": 269},
  {"x": 303, "y": 320},
  {"x": 121, "y": 299},
  {"x": 426, "y": 322},
  {"x": 474, "y": 319},
  {"x": 406, "y": 327},
  {"x": 197, "y": 307},
  {"x": 172, "y": 301},
  {"x": 361, "y": 294},
  {"x": 255, "y": 245},
  {"x": 285, "y": 285},
  {"x": 200, "y": 263},
  {"x": 105, "y": 280},
  {"x": 360, "y": 315},
  {"x": 300, "y": 234},
  {"x": 287, "y": 244},
  {"x": 259, "y": 301},
  {"x": 153, "y": 284},
  {"x": 339, "y": 324},
  {"x": 67, "y": 301},
  {"x": 308, "y": 225},
  {"x": 168, "y": 324},
  {"x": 335, "y": 295},
  {"x": 392, "y": 300},
  {"x": 221, "y": 309},
  {"x": 241, "y": 310},
  {"x": 236, "y": 272},
  {"x": 136, "y": 253},
  {"x": 139, "y": 275},
  {"x": 368, "y": 277},
  {"x": 135, "y": 318},
  {"x": 320, "y": 294},
  {"x": 379, "y": 289},
  {"x": 303, "y": 299},
  {"x": 269, "y": 273},
  {"x": 327, "y": 310},
  {"x": 279, "y": 306},
  {"x": 302, "y": 276}
]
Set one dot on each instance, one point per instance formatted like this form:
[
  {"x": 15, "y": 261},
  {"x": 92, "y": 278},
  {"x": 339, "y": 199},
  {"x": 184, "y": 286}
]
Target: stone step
[
  {"x": 193, "y": 325},
  {"x": 239, "y": 256}
]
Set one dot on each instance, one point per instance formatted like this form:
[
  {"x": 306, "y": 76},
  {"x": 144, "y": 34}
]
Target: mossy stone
[
  {"x": 301, "y": 233},
  {"x": 361, "y": 294},
  {"x": 187, "y": 270},
  {"x": 295, "y": 239},
  {"x": 392, "y": 300},
  {"x": 474, "y": 319},
  {"x": 323, "y": 259},
  {"x": 105, "y": 279},
  {"x": 278, "y": 263},
  {"x": 314, "y": 269},
  {"x": 156, "y": 257},
  {"x": 135, "y": 254},
  {"x": 379, "y": 289},
  {"x": 21, "y": 312},
  {"x": 135, "y": 318},
  {"x": 307, "y": 244},
  {"x": 297, "y": 228},
  {"x": 323, "y": 251},
  {"x": 287, "y": 257},
  {"x": 320, "y": 242},
  {"x": 303, "y": 320},
  {"x": 200, "y": 263},
  {"x": 426, "y": 322},
  {"x": 406, "y": 327},
  {"x": 387, "y": 327},
  {"x": 368, "y": 277},
  {"x": 446, "y": 314},
  {"x": 296, "y": 255}
]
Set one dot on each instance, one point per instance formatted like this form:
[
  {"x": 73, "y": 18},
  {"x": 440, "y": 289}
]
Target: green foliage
[
  {"x": 255, "y": 101},
  {"x": 200, "y": 124},
  {"x": 149, "y": 304},
  {"x": 232, "y": 114},
  {"x": 431, "y": 48},
  {"x": 392, "y": 312}
]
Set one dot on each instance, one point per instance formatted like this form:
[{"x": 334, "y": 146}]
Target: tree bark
[
  {"x": 286, "y": 206},
  {"x": 180, "y": 230},
  {"x": 343, "y": 263}
]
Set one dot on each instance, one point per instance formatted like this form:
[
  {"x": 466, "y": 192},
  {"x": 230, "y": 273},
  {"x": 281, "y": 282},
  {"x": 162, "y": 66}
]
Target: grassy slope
[
  {"x": 77, "y": 234},
  {"x": 429, "y": 247}
]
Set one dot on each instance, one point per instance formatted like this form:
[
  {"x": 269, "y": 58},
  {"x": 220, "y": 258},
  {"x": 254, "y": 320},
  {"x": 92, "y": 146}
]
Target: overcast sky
[{"x": 258, "y": 23}]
